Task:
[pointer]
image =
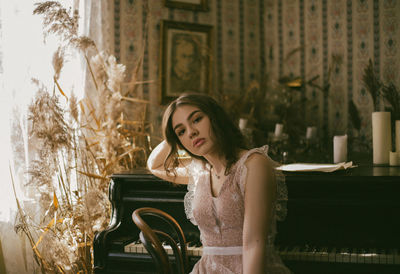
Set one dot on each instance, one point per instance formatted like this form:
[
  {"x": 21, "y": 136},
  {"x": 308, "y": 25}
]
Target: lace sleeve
[
  {"x": 281, "y": 189},
  {"x": 194, "y": 169}
]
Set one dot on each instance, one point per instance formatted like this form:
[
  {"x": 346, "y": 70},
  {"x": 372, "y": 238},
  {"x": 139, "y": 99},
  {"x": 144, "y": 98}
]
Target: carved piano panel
[{"x": 345, "y": 222}]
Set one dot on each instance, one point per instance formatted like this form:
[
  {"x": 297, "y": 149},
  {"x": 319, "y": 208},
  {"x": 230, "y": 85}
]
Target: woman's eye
[
  {"x": 180, "y": 132},
  {"x": 198, "y": 119}
]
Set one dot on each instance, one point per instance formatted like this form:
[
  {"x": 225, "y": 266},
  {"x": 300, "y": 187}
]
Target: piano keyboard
[
  {"x": 306, "y": 253},
  {"x": 138, "y": 247}
]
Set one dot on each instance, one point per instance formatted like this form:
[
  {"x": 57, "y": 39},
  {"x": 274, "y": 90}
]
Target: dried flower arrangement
[
  {"x": 377, "y": 88},
  {"x": 372, "y": 84},
  {"x": 77, "y": 147},
  {"x": 392, "y": 95}
]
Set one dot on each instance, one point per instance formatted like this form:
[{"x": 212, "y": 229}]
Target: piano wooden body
[{"x": 341, "y": 222}]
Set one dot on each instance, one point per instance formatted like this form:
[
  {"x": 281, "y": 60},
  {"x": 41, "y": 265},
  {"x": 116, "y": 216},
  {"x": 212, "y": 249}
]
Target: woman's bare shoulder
[{"x": 257, "y": 160}]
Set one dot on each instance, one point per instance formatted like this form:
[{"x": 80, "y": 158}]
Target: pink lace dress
[{"x": 220, "y": 219}]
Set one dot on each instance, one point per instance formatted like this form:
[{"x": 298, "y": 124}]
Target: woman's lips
[{"x": 198, "y": 142}]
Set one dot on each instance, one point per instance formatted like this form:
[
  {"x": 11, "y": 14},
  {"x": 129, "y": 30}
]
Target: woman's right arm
[{"x": 155, "y": 164}]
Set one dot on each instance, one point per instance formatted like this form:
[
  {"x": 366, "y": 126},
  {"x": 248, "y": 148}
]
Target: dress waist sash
[{"x": 222, "y": 250}]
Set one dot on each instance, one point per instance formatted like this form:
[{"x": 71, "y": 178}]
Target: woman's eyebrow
[{"x": 188, "y": 118}]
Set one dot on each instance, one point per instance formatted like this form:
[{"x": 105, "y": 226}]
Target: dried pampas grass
[{"x": 77, "y": 148}]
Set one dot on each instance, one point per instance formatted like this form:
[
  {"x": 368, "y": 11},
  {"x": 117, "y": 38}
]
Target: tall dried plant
[
  {"x": 77, "y": 148},
  {"x": 392, "y": 95},
  {"x": 372, "y": 84}
]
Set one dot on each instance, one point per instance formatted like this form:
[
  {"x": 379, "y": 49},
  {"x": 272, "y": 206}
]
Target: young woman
[{"x": 234, "y": 194}]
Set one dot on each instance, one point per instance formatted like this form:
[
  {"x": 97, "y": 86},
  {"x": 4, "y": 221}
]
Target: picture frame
[
  {"x": 196, "y": 5},
  {"x": 185, "y": 59}
]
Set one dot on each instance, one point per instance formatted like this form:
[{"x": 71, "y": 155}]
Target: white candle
[
  {"x": 340, "y": 149},
  {"x": 381, "y": 137},
  {"x": 242, "y": 123},
  {"x": 278, "y": 130},
  {"x": 393, "y": 158},
  {"x": 311, "y": 132}
]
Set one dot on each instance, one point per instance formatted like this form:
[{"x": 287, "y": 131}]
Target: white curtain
[{"x": 24, "y": 54}]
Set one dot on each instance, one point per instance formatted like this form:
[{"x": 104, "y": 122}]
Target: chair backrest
[{"x": 151, "y": 240}]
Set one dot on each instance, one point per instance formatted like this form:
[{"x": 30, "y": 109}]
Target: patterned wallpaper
[{"x": 253, "y": 37}]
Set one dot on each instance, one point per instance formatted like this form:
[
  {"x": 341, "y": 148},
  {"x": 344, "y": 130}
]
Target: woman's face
[{"x": 193, "y": 128}]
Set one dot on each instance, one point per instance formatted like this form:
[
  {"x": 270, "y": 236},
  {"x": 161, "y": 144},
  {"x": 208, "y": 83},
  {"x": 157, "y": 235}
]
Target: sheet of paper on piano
[{"x": 305, "y": 167}]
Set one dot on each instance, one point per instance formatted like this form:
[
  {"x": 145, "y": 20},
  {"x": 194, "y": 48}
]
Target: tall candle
[
  {"x": 278, "y": 130},
  {"x": 311, "y": 132},
  {"x": 242, "y": 123},
  {"x": 381, "y": 137},
  {"x": 340, "y": 149},
  {"x": 393, "y": 158}
]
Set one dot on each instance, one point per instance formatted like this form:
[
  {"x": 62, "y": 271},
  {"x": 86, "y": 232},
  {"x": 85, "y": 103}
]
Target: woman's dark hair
[{"x": 228, "y": 137}]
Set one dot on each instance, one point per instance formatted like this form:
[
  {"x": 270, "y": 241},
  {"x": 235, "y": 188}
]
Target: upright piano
[{"x": 342, "y": 222}]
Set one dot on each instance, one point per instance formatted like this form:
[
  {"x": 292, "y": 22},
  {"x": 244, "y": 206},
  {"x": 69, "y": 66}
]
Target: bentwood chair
[{"x": 152, "y": 240}]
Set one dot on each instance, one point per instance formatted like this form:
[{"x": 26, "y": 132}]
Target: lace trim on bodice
[{"x": 197, "y": 168}]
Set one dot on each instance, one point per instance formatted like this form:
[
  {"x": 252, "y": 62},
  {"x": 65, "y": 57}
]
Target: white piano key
[
  {"x": 332, "y": 255},
  {"x": 382, "y": 256},
  {"x": 130, "y": 248},
  {"x": 141, "y": 249},
  {"x": 127, "y": 248},
  {"x": 190, "y": 250},
  {"x": 339, "y": 255},
  {"x": 199, "y": 251},
  {"x": 369, "y": 256},
  {"x": 353, "y": 255},
  {"x": 168, "y": 249},
  {"x": 345, "y": 254},
  {"x": 324, "y": 254}
]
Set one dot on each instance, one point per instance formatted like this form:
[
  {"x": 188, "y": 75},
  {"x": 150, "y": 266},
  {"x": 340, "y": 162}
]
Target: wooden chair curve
[{"x": 151, "y": 239}]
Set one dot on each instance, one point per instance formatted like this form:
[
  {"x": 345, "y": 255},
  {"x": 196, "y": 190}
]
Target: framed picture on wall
[
  {"x": 185, "y": 59},
  {"x": 200, "y": 5}
]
